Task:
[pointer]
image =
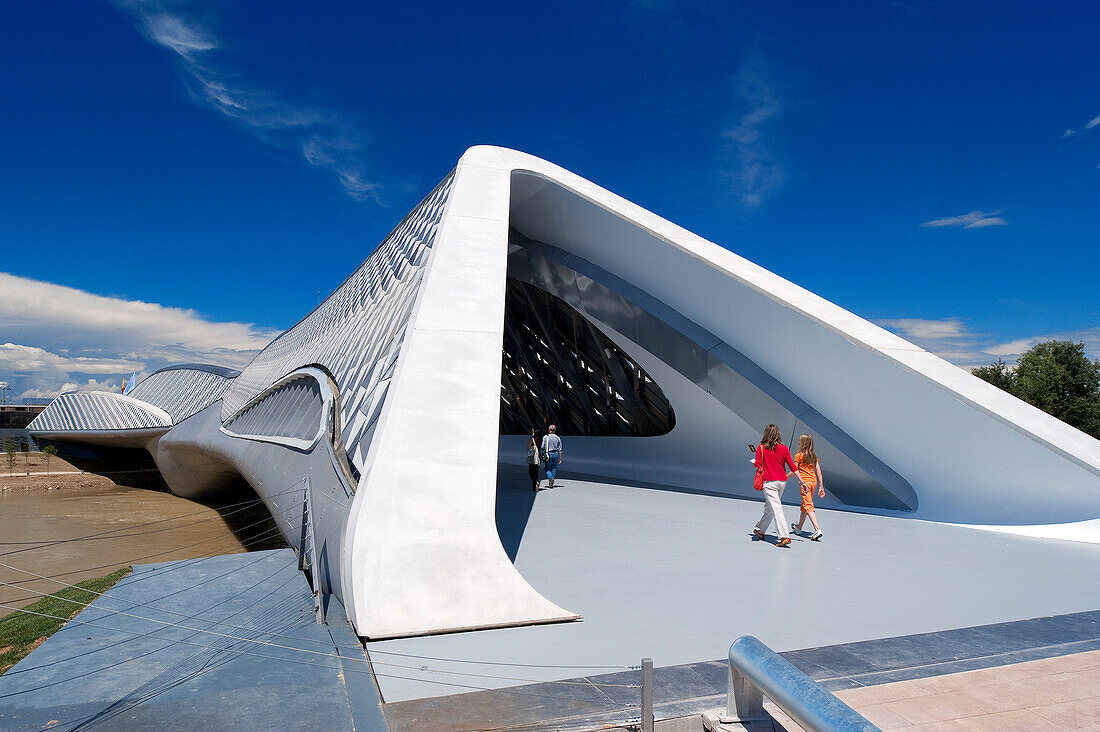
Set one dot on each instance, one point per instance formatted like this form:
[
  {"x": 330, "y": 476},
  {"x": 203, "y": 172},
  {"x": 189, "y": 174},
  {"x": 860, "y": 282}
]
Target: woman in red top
[{"x": 776, "y": 458}]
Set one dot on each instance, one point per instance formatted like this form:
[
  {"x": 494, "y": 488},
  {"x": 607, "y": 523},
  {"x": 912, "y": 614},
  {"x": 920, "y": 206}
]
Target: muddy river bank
[{"x": 74, "y": 526}]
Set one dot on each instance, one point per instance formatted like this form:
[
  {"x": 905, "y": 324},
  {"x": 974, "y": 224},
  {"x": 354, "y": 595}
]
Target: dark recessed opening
[{"x": 560, "y": 369}]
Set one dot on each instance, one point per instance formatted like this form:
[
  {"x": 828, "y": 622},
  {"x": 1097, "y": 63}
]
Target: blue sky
[{"x": 180, "y": 180}]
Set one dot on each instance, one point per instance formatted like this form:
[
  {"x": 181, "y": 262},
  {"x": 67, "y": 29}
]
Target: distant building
[
  {"x": 14, "y": 419},
  {"x": 18, "y": 416}
]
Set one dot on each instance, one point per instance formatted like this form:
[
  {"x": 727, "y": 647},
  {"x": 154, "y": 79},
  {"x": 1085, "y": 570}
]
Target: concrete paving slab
[
  {"x": 1033, "y": 695},
  {"x": 676, "y": 576}
]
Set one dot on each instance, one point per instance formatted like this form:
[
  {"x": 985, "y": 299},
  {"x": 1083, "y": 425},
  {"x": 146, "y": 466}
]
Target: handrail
[{"x": 756, "y": 670}]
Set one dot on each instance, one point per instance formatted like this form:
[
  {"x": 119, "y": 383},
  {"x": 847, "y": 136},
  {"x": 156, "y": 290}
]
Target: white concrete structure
[{"x": 672, "y": 354}]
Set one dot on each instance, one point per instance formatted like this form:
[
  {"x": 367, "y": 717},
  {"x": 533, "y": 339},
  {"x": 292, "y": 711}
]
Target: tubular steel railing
[{"x": 756, "y": 671}]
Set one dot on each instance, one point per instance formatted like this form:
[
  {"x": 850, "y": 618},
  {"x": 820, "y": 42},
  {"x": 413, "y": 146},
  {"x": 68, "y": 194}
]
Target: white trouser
[{"x": 773, "y": 508}]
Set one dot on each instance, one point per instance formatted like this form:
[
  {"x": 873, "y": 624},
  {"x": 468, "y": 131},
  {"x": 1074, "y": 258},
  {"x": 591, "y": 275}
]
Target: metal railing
[{"x": 756, "y": 670}]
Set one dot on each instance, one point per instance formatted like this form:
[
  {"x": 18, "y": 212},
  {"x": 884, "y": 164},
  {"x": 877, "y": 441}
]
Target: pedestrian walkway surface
[
  {"x": 1056, "y": 694},
  {"x": 219, "y": 642},
  {"x": 690, "y": 690},
  {"x": 676, "y": 577}
]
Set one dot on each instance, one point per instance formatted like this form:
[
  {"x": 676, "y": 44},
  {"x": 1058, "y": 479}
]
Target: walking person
[
  {"x": 533, "y": 460},
  {"x": 809, "y": 475},
  {"x": 775, "y": 458},
  {"x": 551, "y": 454}
]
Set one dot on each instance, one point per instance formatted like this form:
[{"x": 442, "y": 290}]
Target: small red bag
[{"x": 758, "y": 481}]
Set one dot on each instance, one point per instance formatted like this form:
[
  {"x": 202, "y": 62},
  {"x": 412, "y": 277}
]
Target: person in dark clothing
[{"x": 533, "y": 461}]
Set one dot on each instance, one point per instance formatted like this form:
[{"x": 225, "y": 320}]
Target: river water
[{"x": 76, "y": 533}]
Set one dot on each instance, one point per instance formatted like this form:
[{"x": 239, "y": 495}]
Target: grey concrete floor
[{"x": 677, "y": 577}]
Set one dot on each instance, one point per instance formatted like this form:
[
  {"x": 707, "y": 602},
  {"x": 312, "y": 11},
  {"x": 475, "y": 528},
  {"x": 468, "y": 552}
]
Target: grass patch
[{"x": 21, "y": 633}]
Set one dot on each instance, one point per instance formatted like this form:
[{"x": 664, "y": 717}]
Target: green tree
[
  {"x": 49, "y": 451},
  {"x": 998, "y": 374},
  {"x": 1057, "y": 377}
]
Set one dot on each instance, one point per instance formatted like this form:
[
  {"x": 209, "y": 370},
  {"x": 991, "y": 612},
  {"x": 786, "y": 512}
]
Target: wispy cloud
[
  {"x": 14, "y": 357},
  {"x": 948, "y": 338},
  {"x": 952, "y": 339},
  {"x": 1092, "y": 123},
  {"x": 758, "y": 170},
  {"x": 972, "y": 220},
  {"x": 171, "y": 31},
  {"x": 947, "y": 329},
  {"x": 212, "y": 83},
  {"x": 53, "y": 336},
  {"x": 1090, "y": 337},
  {"x": 50, "y": 372},
  {"x": 89, "y": 385}
]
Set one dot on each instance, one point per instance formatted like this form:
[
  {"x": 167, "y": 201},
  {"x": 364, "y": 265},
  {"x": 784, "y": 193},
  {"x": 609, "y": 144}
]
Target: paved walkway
[
  {"x": 676, "y": 577},
  {"x": 861, "y": 668},
  {"x": 1051, "y": 694}
]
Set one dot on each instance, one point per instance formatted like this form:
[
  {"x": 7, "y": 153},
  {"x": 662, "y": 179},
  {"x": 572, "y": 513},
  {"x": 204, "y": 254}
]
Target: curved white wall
[{"x": 973, "y": 453}]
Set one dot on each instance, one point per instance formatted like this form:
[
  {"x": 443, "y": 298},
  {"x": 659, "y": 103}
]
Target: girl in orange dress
[{"x": 809, "y": 472}]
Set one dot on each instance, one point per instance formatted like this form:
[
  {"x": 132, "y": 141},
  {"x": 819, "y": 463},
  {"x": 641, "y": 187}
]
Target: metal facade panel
[
  {"x": 183, "y": 391},
  {"x": 357, "y": 332},
  {"x": 291, "y": 410},
  {"x": 94, "y": 410}
]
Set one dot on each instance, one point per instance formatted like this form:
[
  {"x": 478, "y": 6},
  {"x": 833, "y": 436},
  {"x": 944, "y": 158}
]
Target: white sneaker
[
  {"x": 795, "y": 529},
  {"x": 816, "y": 536}
]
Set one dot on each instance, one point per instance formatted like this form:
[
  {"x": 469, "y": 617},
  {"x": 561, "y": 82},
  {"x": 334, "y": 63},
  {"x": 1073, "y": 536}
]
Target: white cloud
[
  {"x": 213, "y": 84},
  {"x": 15, "y": 357},
  {"x": 53, "y": 336},
  {"x": 950, "y": 328},
  {"x": 949, "y": 338},
  {"x": 758, "y": 169},
  {"x": 89, "y": 385},
  {"x": 953, "y": 340},
  {"x": 65, "y": 312},
  {"x": 332, "y": 153},
  {"x": 972, "y": 220},
  {"x": 1014, "y": 348},
  {"x": 171, "y": 32},
  {"x": 1094, "y": 122},
  {"x": 1090, "y": 337}
]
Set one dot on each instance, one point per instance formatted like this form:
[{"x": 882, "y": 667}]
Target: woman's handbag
[
  {"x": 758, "y": 480},
  {"x": 532, "y": 456}
]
